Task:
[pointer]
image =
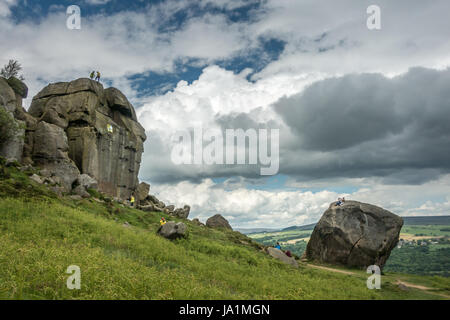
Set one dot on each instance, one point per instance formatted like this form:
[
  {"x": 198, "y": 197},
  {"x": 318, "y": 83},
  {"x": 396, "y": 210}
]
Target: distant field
[{"x": 424, "y": 249}]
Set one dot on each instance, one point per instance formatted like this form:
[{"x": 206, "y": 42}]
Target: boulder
[
  {"x": 217, "y": 221},
  {"x": 142, "y": 191},
  {"x": 182, "y": 213},
  {"x": 86, "y": 182},
  {"x": 172, "y": 230},
  {"x": 170, "y": 208},
  {"x": 81, "y": 191},
  {"x": 36, "y": 179},
  {"x": 280, "y": 255},
  {"x": 354, "y": 234}
]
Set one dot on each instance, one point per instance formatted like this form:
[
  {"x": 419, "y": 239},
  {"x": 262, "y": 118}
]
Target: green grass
[{"x": 41, "y": 235}]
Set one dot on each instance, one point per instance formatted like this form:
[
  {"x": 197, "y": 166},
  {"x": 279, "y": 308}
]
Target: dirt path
[
  {"x": 419, "y": 287},
  {"x": 398, "y": 282},
  {"x": 330, "y": 269}
]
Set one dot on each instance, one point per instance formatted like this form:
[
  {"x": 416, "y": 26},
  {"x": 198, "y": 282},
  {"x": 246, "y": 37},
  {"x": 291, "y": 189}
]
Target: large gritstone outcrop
[
  {"x": 91, "y": 130},
  {"x": 354, "y": 234}
]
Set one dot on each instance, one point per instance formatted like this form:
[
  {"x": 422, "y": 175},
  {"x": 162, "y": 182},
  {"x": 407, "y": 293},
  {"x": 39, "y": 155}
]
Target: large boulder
[
  {"x": 172, "y": 230},
  {"x": 217, "y": 221},
  {"x": 104, "y": 139},
  {"x": 280, "y": 255},
  {"x": 142, "y": 191},
  {"x": 354, "y": 234}
]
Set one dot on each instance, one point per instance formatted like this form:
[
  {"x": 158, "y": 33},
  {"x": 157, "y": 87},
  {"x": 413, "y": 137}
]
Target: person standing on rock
[
  {"x": 92, "y": 75},
  {"x": 97, "y": 78}
]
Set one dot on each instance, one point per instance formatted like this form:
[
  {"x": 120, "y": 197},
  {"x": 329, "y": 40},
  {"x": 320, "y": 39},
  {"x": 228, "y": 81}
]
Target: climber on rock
[
  {"x": 97, "y": 78},
  {"x": 92, "y": 75}
]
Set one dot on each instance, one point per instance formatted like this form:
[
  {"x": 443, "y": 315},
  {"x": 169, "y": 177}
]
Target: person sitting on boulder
[
  {"x": 278, "y": 246},
  {"x": 162, "y": 221},
  {"x": 288, "y": 253},
  {"x": 339, "y": 202},
  {"x": 92, "y": 75}
]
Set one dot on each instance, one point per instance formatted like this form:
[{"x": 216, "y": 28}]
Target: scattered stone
[
  {"x": 172, "y": 230},
  {"x": 36, "y": 179},
  {"x": 75, "y": 197},
  {"x": 280, "y": 255},
  {"x": 197, "y": 222},
  {"x": 217, "y": 221},
  {"x": 81, "y": 191},
  {"x": 126, "y": 225}
]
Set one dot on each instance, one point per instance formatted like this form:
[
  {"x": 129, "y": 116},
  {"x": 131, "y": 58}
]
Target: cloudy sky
[{"x": 361, "y": 113}]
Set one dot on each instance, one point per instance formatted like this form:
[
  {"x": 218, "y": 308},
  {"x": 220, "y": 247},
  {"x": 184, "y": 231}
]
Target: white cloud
[
  {"x": 282, "y": 208},
  {"x": 5, "y": 7}
]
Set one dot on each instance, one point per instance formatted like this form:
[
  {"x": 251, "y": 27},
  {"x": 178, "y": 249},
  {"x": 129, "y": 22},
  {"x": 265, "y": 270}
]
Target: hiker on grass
[
  {"x": 97, "y": 78},
  {"x": 92, "y": 75},
  {"x": 162, "y": 221}
]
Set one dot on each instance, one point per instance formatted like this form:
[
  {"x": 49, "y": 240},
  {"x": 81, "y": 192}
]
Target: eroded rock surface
[{"x": 354, "y": 234}]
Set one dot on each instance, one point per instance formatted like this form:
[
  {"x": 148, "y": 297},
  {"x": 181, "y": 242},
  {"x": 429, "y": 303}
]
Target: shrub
[{"x": 8, "y": 126}]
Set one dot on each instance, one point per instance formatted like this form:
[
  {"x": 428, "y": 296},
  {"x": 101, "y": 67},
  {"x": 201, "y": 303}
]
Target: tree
[{"x": 12, "y": 69}]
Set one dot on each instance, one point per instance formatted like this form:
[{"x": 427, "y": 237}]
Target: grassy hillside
[{"x": 41, "y": 235}]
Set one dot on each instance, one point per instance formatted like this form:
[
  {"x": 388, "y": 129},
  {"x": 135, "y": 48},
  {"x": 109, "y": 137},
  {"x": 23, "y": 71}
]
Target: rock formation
[
  {"x": 354, "y": 234},
  {"x": 81, "y": 136},
  {"x": 217, "y": 221},
  {"x": 84, "y": 129}
]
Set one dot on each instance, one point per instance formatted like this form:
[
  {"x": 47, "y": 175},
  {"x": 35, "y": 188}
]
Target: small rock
[
  {"x": 75, "y": 197},
  {"x": 36, "y": 179},
  {"x": 280, "y": 255},
  {"x": 81, "y": 191}
]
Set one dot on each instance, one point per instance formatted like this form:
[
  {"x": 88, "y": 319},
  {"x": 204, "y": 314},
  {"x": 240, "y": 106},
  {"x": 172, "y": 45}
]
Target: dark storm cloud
[{"x": 368, "y": 125}]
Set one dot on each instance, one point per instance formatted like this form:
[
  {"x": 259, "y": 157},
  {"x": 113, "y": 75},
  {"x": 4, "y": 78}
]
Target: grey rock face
[
  {"x": 142, "y": 191},
  {"x": 217, "y": 221},
  {"x": 50, "y": 152},
  {"x": 104, "y": 139},
  {"x": 280, "y": 255},
  {"x": 172, "y": 230},
  {"x": 355, "y": 234},
  {"x": 10, "y": 101}
]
